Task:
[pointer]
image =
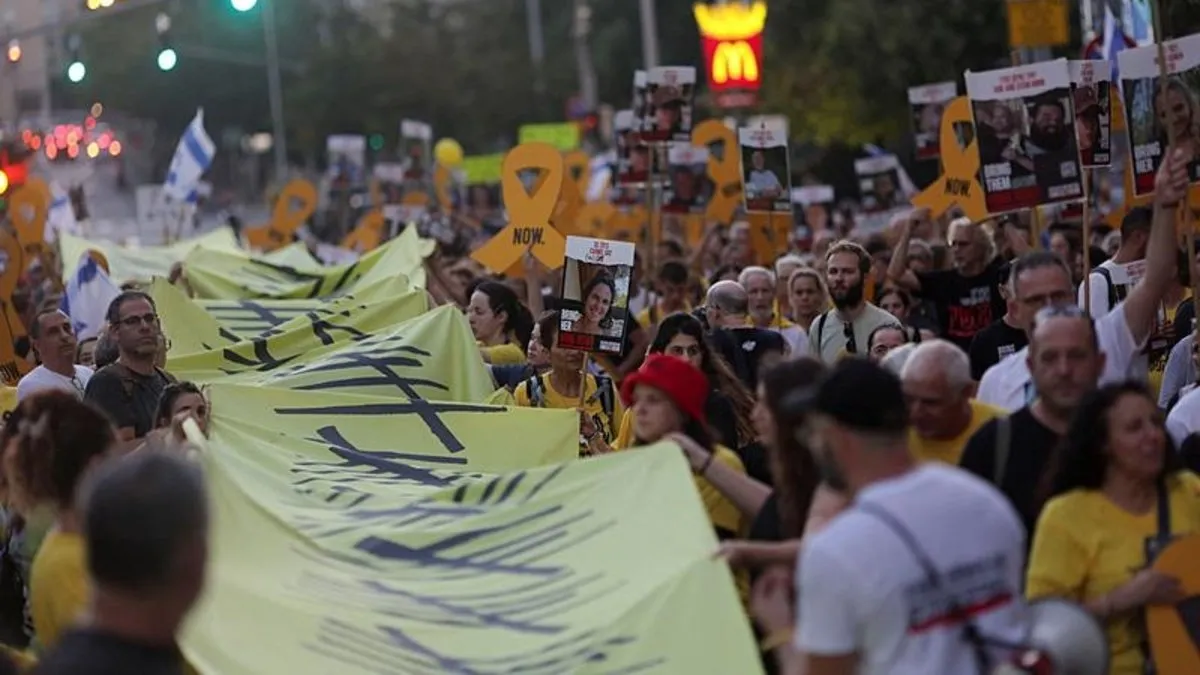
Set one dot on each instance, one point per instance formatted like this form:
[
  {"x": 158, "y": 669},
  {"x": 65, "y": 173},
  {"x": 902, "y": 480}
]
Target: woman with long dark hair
[
  {"x": 500, "y": 323},
  {"x": 729, "y": 403},
  {"x": 1118, "y": 494}
]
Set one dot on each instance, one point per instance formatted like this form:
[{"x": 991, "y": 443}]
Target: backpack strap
[
  {"x": 821, "y": 333},
  {"x": 1113, "y": 298},
  {"x": 1003, "y": 449},
  {"x": 536, "y": 388}
]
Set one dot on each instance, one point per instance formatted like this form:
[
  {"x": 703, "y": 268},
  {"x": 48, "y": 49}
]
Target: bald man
[
  {"x": 939, "y": 390},
  {"x": 748, "y": 350}
]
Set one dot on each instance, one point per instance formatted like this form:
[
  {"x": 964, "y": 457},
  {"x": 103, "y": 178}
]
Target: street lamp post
[{"x": 275, "y": 89}]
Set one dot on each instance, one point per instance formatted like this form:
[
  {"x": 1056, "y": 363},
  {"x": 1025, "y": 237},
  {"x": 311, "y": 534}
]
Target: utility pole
[
  {"x": 537, "y": 47},
  {"x": 275, "y": 90},
  {"x": 583, "y": 56},
  {"x": 649, "y": 34}
]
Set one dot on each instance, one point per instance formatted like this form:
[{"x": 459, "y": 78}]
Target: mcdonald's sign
[{"x": 732, "y": 38}]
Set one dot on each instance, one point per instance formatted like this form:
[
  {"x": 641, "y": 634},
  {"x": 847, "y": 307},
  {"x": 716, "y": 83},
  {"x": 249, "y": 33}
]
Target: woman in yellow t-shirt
[
  {"x": 667, "y": 396},
  {"x": 500, "y": 323},
  {"x": 600, "y": 410},
  {"x": 58, "y": 440},
  {"x": 1100, "y": 531}
]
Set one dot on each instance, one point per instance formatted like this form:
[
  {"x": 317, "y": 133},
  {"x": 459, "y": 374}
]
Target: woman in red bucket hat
[{"x": 666, "y": 396}]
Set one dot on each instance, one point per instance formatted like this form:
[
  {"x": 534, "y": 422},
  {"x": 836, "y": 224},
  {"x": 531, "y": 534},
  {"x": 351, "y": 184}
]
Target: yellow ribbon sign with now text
[{"x": 529, "y": 211}]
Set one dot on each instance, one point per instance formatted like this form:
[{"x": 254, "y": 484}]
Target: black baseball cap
[{"x": 862, "y": 396}]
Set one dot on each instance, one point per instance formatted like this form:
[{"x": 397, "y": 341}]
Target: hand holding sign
[
  {"x": 529, "y": 213},
  {"x": 297, "y": 201},
  {"x": 725, "y": 172},
  {"x": 959, "y": 182}
]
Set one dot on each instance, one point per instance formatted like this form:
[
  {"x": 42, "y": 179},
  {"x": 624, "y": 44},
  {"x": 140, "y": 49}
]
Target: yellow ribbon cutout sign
[
  {"x": 726, "y": 172},
  {"x": 297, "y": 201},
  {"x": 959, "y": 182},
  {"x": 368, "y": 234},
  {"x": 12, "y": 263},
  {"x": 28, "y": 210},
  {"x": 594, "y": 218},
  {"x": 1172, "y": 639},
  {"x": 574, "y": 190},
  {"x": 529, "y": 213},
  {"x": 442, "y": 183}
]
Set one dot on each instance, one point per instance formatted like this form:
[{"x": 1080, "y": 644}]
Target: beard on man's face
[
  {"x": 849, "y": 297},
  {"x": 1050, "y": 137}
]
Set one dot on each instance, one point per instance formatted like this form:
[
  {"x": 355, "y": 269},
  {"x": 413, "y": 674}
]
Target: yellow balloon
[{"x": 448, "y": 153}]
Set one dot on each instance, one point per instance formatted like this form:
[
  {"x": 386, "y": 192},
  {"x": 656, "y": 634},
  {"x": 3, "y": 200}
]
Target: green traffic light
[
  {"x": 376, "y": 142},
  {"x": 76, "y": 72},
  {"x": 167, "y": 59},
  {"x": 243, "y": 5}
]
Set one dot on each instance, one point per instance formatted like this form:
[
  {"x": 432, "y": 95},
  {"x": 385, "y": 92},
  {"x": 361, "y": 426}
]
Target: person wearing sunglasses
[
  {"x": 129, "y": 389},
  {"x": 844, "y": 330}
]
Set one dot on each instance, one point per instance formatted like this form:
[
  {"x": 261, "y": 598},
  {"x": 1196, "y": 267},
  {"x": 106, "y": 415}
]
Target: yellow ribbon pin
[
  {"x": 959, "y": 182},
  {"x": 529, "y": 212}
]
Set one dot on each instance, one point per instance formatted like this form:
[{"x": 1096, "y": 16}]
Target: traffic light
[
  {"x": 243, "y": 5},
  {"x": 93, "y": 5},
  {"x": 167, "y": 57},
  {"x": 76, "y": 71},
  {"x": 14, "y": 51},
  {"x": 376, "y": 142}
]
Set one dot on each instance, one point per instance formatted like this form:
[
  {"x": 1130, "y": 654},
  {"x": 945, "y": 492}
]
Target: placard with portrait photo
[
  {"x": 879, "y": 183},
  {"x": 636, "y": 161},
  {"x": 347, "y": 156},
  {"x": 670, "y": 93},
  {"x": 1025, "y": 128},
  {"x": 595, "y": 295},
  {"x": 416, "y": 148},
  {"x": 926, "y": 104},
  {"x": 688, "y": 187},
  {"x": 816, "y": 205},
  {"x": 1091, "y": 92},
  {"x": 1153, "y": 115},
  {"x": 766, "y": 170}
]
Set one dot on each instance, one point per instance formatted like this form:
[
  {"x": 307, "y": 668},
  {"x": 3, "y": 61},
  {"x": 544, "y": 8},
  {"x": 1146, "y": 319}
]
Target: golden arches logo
[
  {"x": 734, "y": 61},
  {"x": 731, "y": 21}
]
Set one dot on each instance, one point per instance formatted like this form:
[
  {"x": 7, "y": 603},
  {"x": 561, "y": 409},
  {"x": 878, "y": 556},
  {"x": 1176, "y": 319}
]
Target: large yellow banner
[
  {"x": 432, "y": 356},
  {"x": 215, "y": 274},
  {"x": 340, "y": 557},
  {"x": 141, "y": 264}
]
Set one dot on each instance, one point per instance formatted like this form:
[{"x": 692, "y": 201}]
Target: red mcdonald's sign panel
[{"x": 732, "y": 39}]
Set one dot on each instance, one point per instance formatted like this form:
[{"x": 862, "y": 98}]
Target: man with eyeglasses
[
  {"x": 1068, "y": 356},
  {"x": 128, "y": 389},
  {"x": 54, "y": 342}
]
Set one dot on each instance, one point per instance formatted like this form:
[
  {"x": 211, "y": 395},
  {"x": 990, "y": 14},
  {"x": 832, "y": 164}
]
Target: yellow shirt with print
[
  {"x": 722, "y": 513},
  {"x": 1085, "y": 546},
  {"x": 1159, "y": 350},
  {"x": 592, "y": 404},
  {"x": 506, "y": 354},
  {"x": 949, "y": 450}
]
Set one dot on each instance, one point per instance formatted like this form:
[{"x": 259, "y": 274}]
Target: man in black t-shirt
[
  {"x": 128, "y": 389},
  {"x": 1012, "y": 453},
  {"x": 966, "y": 299},
  {"x": 145, "y": 522},
  {"x": 1003, "y": 338}
]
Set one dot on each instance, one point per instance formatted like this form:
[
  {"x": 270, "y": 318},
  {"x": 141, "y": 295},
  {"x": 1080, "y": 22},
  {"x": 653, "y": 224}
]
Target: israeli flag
[
  {"x": 61, "y": 217},
  {"x": 193, "y": 157},
  {"x": 88, "y": 295}
]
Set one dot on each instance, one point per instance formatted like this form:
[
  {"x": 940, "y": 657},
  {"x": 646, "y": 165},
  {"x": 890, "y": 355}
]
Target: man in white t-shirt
[
  {"x": 54, "y": 340},
  {"x": 1112, "y": 280},
  {"x": 1040, "y": 279},
  {"x": 954, "y": 547}
]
